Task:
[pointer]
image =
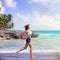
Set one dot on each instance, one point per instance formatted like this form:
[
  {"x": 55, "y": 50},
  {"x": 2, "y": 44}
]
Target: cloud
[
  {"x": 40, "y": 21},
  {"x": 23, "y": 17},
  {"x": 43, "y": 19},
  {"x": 44, "y": 1},
  {"x": 2, "y": 9},
  {"x": 50, "y": 5},
  {"x": 43, "y": 22},
  {"x": 46, "y": 21},
  {"x": 10, "y": 3},
  {"x": 36, "y": 1}
]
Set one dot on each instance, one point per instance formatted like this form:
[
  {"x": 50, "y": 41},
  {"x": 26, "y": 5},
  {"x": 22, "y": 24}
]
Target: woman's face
[{"x": 29, "y": 27}]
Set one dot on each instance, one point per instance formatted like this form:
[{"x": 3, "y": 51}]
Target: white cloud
[
  {"x": 23, "y": 17},
  {"x": 44, "y": 1},
  {"x": 35, "y": 1},
  {"x": 42, "y": 22},
  {"x": 2, "y": 9},
  {"x": 51, "y": 5},
  {"x": 46, "y": 22},
  {"x": 10, "y": 3},
  {"x": 45, "y": 19},
  {"x": 54, "y": 3},
  {"x": 21, "y": 20}
]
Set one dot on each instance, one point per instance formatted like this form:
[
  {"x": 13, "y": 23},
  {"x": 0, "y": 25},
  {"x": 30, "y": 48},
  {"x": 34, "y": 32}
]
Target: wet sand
[{"x": 26, "y": 56}]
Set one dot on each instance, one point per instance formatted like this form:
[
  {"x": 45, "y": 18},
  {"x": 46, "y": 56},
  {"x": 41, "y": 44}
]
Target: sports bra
[{"x": 29, "y": 33}]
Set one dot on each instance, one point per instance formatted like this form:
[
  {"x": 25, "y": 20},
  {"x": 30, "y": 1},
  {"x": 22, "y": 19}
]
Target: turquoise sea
[
  {"x": 48, "y": 41},
  {"x": 43, "y": 31}
]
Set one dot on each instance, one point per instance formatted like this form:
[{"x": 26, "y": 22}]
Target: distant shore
[{"x": 10, "y": 34}]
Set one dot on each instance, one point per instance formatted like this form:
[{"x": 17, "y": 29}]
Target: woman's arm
[{"x": 25, "y": 33}]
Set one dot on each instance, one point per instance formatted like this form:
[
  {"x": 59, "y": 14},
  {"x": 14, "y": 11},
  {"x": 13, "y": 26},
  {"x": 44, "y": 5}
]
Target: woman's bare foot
[
  {"x": 17, "y": 52},
  {"x": 32, "y": 58}
]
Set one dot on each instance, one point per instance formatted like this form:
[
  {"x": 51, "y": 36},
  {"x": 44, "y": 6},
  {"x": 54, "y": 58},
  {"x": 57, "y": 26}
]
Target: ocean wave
[
  {"x": 27, "y": 51},
  {"x": 48, "y": 35}
]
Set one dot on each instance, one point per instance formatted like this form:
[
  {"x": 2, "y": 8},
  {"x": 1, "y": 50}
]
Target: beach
[
  {"x": 45, "y": 47},
  {"x": 25, "y": 56},
  {"x": 25, "y": 21}
]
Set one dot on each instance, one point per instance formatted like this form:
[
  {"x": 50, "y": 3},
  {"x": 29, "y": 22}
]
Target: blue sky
[{"x": 40, "y": 14}]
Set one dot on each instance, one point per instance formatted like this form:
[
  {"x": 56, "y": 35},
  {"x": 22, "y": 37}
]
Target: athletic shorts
[{"x": 28, "y": 40}]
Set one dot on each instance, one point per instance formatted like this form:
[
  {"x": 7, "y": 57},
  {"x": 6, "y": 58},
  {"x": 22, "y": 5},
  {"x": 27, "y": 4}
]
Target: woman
[{"x": 28, "y": 41}]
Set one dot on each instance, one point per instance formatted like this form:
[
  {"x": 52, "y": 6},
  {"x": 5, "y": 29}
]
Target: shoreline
[{"x": 26, "y": 56}]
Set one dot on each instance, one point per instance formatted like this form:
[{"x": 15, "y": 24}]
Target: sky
[{"x": 40, "y": 14}]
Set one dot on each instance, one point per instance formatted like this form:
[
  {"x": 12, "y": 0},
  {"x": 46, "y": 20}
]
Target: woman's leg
[
  {"x": 26, "y": 45},
  {"x": 30, "y": 45}
]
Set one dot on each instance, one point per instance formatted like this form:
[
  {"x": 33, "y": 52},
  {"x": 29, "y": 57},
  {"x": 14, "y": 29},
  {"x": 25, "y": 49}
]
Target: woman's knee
[{"x": 25, "y": 47}]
